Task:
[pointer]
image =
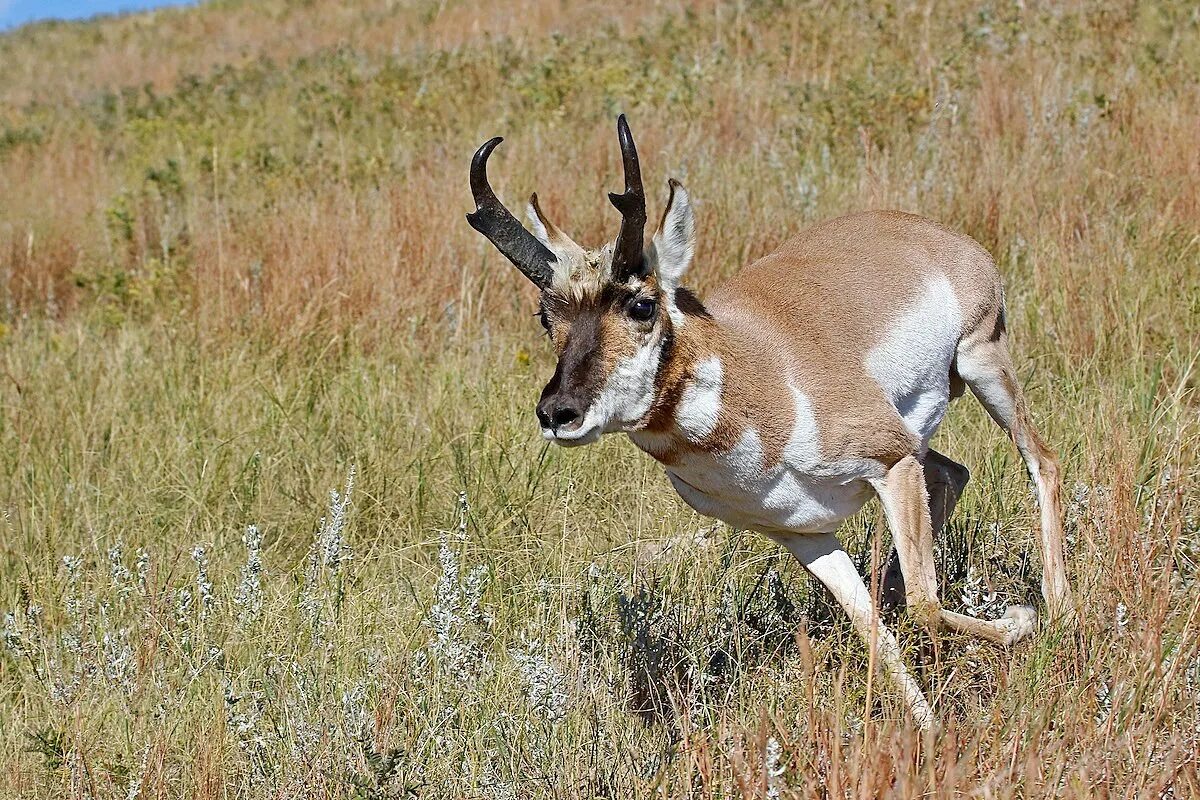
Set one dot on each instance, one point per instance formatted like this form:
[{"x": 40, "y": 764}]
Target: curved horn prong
[
  {"x": 628, "y": 257},
  {"x": 502, "y": 229}
]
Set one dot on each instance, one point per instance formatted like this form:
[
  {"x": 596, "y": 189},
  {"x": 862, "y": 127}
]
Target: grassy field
[{"x": 276, "y": 518}]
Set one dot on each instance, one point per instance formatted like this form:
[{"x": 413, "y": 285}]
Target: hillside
[{"x": 235, "y": 275}]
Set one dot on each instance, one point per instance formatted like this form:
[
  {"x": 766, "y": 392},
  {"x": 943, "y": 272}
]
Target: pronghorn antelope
[{"x": 812, "y": 378}]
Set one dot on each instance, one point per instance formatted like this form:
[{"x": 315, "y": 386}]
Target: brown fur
[
  {"x": 809, "y": 317},
  {"x": 809, "y": 313}
]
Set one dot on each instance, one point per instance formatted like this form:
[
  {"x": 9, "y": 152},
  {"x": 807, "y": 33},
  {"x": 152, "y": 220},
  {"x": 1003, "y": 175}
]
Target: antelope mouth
[{"x": 573, "y": 436}]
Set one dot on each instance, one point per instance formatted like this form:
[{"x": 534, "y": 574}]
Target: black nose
[{"x": 558, "y": 414}]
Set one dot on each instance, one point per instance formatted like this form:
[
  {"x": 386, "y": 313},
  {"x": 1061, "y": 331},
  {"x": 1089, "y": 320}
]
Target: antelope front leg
[
  {"x": 822, "y": 555},
  {"x": 906, "y": 505}
]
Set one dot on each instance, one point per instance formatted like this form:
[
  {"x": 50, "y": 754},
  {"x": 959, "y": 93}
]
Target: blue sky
[{"x": 16, "y": 12}]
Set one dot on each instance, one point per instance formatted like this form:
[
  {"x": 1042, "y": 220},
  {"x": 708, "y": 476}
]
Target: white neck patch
[{"x": 700, "y": 405}]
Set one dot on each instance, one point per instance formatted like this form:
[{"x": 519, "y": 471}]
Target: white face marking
[
  {"x": 912, "y": 363},
  {"x": 626, "y": 397},
  {"x": 700, "y": 405}
]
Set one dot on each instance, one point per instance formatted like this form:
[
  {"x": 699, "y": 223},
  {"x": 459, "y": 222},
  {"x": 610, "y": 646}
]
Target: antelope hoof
[{"x": 1017, "y": 623}]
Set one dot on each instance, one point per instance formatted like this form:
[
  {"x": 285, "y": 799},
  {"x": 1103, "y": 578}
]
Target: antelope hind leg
[
  {"x": 987, "y": 368},
  {"x": 906, "y": 505}
]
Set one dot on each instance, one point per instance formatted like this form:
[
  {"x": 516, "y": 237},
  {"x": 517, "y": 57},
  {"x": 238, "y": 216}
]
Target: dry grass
[{"x": 233, "y": 264}]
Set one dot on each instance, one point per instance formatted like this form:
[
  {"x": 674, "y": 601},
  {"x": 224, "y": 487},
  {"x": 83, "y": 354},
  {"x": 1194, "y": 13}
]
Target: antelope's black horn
[
  {"x": 628, "y": 257},
  {"x": 502, "y": 229}
]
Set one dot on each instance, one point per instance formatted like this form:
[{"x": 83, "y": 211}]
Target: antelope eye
[{"x": 642, "y": 309}]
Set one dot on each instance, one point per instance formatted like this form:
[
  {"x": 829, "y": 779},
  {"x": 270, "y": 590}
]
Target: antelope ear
[
  {"x": 562, "y": 246},
  {"x": 674, "y": 242}
]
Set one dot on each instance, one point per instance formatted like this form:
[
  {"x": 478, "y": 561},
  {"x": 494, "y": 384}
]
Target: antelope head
[{"x": 611, "y": 312}]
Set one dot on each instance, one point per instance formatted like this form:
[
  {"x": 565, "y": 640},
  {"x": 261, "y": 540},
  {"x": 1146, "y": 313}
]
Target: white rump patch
[
  {"x": 700, "y": 406},
  {"x": 912, "y": 363}
]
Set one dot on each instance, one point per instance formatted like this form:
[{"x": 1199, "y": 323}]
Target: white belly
[
  {"x": 802, "y": 492},
  {"x": 735, "y": 487}
]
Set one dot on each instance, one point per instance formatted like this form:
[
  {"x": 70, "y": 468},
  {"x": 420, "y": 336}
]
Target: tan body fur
[
  {"x": 801, "y": 387},
  {"x": 812, "y": 310},
  {"x": 805, "y": 319}
]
